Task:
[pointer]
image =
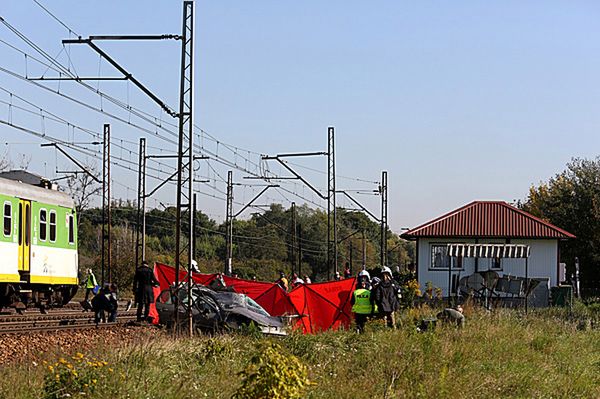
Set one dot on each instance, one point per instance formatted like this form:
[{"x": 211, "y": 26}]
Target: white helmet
[
  {"x": 386, "y": 270},
  {"x": 364, "y": 273}
]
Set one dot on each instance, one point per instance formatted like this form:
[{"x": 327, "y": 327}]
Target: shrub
[
  {"x": 74, "y": 377},
  {"x": 273, "y": 374}
]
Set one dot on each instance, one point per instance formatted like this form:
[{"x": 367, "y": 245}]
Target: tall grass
[{"x": 498, "y": 354}]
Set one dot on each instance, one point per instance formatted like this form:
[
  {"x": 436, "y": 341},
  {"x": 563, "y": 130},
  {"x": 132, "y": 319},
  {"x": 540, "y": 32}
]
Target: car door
[
  {"x": 209, "y": 313},
  {"x": 164, "y": 307}
]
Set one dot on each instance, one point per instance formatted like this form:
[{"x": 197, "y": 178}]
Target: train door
[{"x": 24, "y": 234}]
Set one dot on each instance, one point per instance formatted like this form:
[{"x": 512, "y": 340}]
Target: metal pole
[
  {"x": 351, "y": 248},
  {"x": 108, "y": 204},
  {"x": 189, "y": 293},
  {"x": 106, "y": 217},
  {"x": 293, "y": 247},
  {"x": 383, "y": 189},
  {"x": 299, "y": 249},
  {"x": 229, "y": 225},
  {"x": 449, "y": 279},
  {"x": 364, "y": 251},
  {"x": 140, "y": 240},
  {"x": 329, "y": 194},
  {"x": 526, "y": 285},
  {"x": 185, "y": 153},
  {"x": 331, "y": 206}
]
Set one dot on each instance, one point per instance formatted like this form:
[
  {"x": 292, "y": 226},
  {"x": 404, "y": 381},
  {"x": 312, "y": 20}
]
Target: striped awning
[{"x": 489, "y": 250}]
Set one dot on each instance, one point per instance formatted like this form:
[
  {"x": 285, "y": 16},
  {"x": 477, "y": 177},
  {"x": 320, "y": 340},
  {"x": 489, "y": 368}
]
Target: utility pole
[
  {"x": 331, "y": 207},
  {"x": 140, "y": 246},
  {"x": 189, "y": 275},
  {"x": 384, "y": 217},
  {"x": 229, "y": 225},
  {"x": 350, "y": 251},
  {"x": 294, "y": 231},
  {"x": 364, "y": 251},
  {"x": 106, "y": 217},
  {"x": 185, "y": 153},
  {"x": 299, "y": 250}
]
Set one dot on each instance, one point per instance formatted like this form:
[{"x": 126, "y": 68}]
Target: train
[{"x": 38, "y": 243}]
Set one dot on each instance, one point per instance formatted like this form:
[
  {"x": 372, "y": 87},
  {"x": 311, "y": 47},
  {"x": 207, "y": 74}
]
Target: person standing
[
  {"x": 362, "y": 305},
  {"x": 112, "y": 303},
  {"x": 282, "y": 282},
  {"x": 143, "y": 287},
  {"x": 347, "y": 271},
  {"x": 90, "y": 284},
  {"x": 296, "y": 280},
  {"x": 385, "y": 296}
]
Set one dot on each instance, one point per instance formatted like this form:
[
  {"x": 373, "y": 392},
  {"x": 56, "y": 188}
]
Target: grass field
[{"x": 502, "y": 354}]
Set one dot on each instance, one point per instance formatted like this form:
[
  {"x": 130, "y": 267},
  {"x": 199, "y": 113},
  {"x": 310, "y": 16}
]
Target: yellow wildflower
[
  {"x": 50, "y": 368},
  {"x": 94, "y": 381},
  {"x": 69, "y": 366}
]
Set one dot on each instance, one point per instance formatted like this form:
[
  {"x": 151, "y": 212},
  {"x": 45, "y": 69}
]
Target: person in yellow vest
[{"x": 362, "y": 306}]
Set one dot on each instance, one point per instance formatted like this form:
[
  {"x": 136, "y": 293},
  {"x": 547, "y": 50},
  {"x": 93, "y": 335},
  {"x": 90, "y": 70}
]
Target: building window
[
  {"x": 496, "y": 264},
  {"x": 71, "y": 230},
  {"x": 43, "y": 224},
  {"x": 53, "y": 226},
  {"x": 7, "y": 218},
  {"x": 441, "y": 260}
]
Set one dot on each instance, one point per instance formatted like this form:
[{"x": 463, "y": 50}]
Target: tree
[
  {"x": 571, "y": 200},
  {"x": 82, "y": 187},
  {"x": 5, "y": 162}
]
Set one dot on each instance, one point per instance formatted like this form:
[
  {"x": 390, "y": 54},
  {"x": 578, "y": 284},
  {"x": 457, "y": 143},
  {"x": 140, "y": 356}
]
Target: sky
[{"x": 457, "y": 101}]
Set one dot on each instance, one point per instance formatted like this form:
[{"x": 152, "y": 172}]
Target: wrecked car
[{"x": 216, "y": 311}]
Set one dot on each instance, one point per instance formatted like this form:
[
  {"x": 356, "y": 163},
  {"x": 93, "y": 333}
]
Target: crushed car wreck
[{"x": 217, "y": 311}]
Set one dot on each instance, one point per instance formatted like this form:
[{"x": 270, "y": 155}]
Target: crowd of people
[
  {"x": 104, "y": 303},
  {"x": 372, "y": 297},
  {"x": 381, "y": 297}
]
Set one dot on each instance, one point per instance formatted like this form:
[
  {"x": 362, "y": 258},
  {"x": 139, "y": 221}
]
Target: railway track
[{"x": 57, "y": 320}]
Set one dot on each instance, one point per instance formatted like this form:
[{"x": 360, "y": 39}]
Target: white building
[{"x": 485, "y": 222}]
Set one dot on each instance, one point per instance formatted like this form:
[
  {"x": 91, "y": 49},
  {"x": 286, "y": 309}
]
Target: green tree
[{"x": 571, "y": 200}]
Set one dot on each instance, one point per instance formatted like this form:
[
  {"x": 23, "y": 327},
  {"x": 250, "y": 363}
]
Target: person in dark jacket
[
  {"x": 143, "y": 287},
  {"x": 385, "y": 296},
  {"x": 100, "y": 305}
]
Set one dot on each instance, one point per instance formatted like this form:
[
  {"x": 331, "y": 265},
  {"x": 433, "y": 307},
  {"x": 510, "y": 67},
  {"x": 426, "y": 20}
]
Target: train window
[
  {"x": 43, "y": 224},
  {"x": 20, "y": 223},
  {"x": 52, "y": 226},
  {"x": 71, "y": 230},
  {"x": 7, "y": 218}
]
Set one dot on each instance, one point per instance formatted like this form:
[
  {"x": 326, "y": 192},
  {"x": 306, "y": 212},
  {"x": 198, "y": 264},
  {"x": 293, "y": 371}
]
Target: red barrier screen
[{"x": 320, "y": 306}]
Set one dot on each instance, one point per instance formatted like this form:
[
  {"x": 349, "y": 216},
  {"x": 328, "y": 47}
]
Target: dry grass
[{"x": 500, "y": 354}]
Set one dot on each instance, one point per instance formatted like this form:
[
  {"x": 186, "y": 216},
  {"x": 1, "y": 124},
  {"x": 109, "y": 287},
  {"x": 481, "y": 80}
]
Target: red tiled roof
[{"x": 488, "y": 219}]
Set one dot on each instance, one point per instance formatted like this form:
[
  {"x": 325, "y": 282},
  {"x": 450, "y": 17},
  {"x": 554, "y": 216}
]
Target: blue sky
[{"x": 458, "y": 101}]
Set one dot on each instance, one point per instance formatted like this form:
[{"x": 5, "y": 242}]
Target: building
[{"x": 485, "y": 222}]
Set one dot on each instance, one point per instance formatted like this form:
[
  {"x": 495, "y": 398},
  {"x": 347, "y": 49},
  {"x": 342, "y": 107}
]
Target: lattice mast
[
  {"x": 106, "y": 217},
  {"x": 383, "y": 189},
  {"x": 184, "y": 221}
]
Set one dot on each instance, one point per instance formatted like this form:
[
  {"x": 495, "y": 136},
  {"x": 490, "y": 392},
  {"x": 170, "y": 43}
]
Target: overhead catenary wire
[{"x": 57, "y": 66}]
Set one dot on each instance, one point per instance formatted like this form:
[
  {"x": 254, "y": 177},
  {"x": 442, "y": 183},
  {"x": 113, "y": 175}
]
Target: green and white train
[{"x": 38, "y": 244}]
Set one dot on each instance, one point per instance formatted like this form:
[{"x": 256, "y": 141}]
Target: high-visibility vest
[
  {"x": 362, "y": 301},
  {"x": 91, "y": 281}
]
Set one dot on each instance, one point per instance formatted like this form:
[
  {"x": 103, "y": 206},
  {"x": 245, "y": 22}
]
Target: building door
[{"x": 24, "y": 234}]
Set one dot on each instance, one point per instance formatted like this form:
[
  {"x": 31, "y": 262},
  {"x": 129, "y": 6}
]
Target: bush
[
  {"x": 74, "y": 377},
  {"x": 273, "y": 374}
]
